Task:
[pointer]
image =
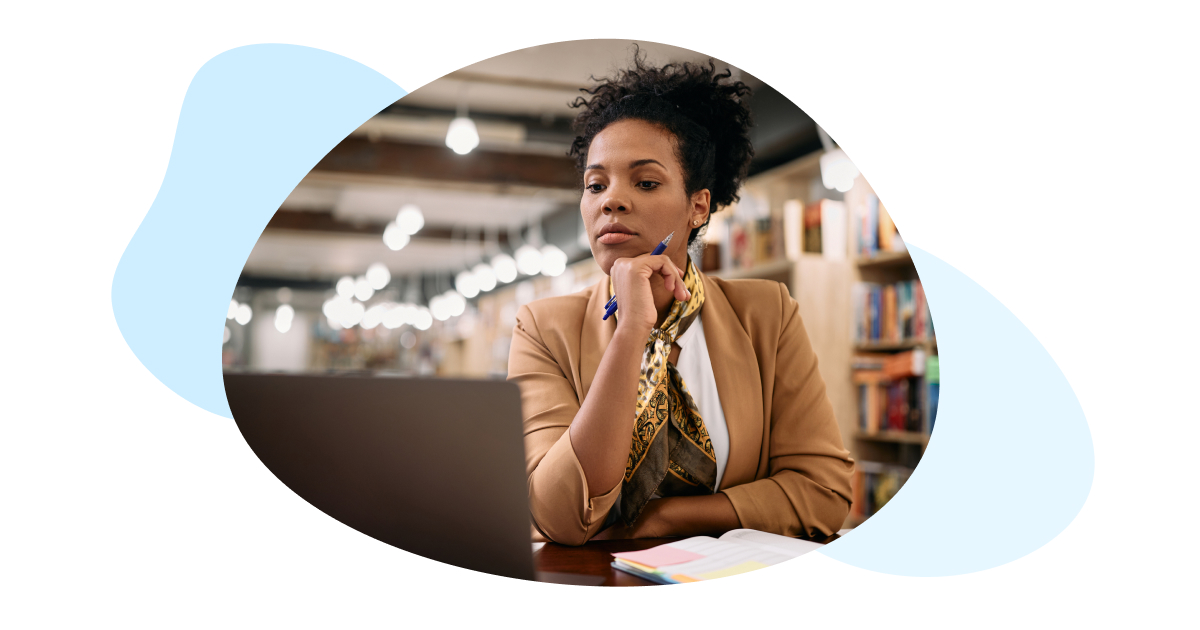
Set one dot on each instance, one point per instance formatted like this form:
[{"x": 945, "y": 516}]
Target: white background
[{"x": 1046, "y": 150}]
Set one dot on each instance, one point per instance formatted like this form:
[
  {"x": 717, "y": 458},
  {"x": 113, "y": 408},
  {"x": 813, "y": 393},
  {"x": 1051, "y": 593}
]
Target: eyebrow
[{"x": 634, "y": 164}]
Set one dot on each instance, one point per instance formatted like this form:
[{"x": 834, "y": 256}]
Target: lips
[
  {"x": 609, "y": 228},
  {"x": 615, "y": 234}
]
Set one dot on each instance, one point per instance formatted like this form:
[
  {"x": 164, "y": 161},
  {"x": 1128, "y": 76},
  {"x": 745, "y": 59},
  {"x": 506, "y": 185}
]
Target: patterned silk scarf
[{"x": 671, "y": 452}]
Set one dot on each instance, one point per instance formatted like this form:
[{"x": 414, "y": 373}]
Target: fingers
[{"x": 673, "y": 278}]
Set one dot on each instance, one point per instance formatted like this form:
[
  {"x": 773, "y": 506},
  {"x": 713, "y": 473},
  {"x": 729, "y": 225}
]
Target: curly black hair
[{"x": 695, "y": 103}]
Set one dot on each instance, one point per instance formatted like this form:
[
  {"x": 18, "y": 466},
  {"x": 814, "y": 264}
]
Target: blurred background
[{"x": 408, "y": 249}]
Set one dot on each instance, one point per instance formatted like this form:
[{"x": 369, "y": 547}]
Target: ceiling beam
[
  {"x": 325, "y": 221},
  {"x": 431, "y": 162}
]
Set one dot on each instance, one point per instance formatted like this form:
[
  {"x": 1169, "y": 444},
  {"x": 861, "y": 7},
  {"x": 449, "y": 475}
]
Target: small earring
[{"x": 695, "y": 223}]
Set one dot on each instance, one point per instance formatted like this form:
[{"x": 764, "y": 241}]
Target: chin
[{"x": 605, "y": 261}]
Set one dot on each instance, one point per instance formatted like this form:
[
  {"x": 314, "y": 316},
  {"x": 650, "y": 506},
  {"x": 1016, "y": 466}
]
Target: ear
[{"x": 699, "y": 205}]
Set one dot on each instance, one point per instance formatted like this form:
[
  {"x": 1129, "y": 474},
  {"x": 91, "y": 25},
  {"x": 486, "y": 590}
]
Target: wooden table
[{"x": 595, "y": 559}]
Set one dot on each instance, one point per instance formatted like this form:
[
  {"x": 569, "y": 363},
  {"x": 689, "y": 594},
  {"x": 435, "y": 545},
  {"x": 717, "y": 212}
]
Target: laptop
[{"x": 435, "y": 467}]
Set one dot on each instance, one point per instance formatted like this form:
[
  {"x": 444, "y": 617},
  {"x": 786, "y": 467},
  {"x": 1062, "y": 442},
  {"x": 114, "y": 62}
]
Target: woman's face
[{"x": 634, "y": 194}]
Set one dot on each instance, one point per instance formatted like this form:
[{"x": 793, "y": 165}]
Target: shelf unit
[
  {"x": 890, "y": 452},
  {"x": 821, "y": 285}
]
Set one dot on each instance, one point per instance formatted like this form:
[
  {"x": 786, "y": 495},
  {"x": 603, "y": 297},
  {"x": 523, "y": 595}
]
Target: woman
[{"x": 698, "y": 407}]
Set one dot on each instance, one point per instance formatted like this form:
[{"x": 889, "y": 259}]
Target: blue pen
[{"x": 611, "y": 306}]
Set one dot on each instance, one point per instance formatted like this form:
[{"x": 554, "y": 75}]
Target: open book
[{"x": 705, "y": 558}]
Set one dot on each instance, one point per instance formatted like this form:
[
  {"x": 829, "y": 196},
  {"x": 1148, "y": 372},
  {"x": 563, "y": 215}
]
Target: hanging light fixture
[
  {"x": 345, "y": 286},
  {"x": 410, "y": 219},
  {"x": 554, "y": 261},
  {"x": 362, "y": 288},
  {"x": 455, "y": 302},
  {"x": 467, "y": 284},
  {"x": 529, "y": 257},
  {"x": 244, "y": 313},
  {"x": 394, "y": 237},
  {"x": 837, "y": 171},
  {"x": 378, "y": 275},
  {"x": 485, "y": 277},
  {"x": 462, "y": 136},
  {"x": 504, "y": 267},
  {"x": 283, "y": 317}
]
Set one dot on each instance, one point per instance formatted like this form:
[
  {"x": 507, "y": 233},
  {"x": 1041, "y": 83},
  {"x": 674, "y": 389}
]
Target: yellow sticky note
[{"x": 745, "y": 567}]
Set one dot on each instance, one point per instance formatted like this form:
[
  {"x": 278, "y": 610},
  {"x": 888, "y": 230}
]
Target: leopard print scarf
[{"x": 679, "y": 460}]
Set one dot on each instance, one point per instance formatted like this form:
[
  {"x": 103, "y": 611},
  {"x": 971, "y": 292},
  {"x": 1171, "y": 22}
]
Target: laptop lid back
[{"x": 433, "y": 466}]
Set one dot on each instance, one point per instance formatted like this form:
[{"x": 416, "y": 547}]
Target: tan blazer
[{"x": 787, "y": 472}]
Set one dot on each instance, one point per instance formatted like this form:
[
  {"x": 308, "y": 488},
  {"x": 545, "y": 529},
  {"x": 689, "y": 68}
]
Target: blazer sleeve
[
  {"x": 807, "y": 490},
  {"x": 559, "y": 502}
]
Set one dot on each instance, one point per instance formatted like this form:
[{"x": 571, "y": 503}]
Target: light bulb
[
  {"x": 462, "y": 136},
  {"x": 243, "y": 314},
  {"x": 409, "y": 219},
  {"x": 283, "y": 317},
  {"x": 395, "y": 316},
  {"x": 422, "y": 320},
  {"x": 345, "y": 286},
  {"x": 837, "y": 171},
  {"x": 378, "y": 275},
  {"x": 439, "y": 308},
  {"x": 455, "y": 302},
  {"x": 232, "y": 312},
  {"x": 374, "y": 316},
  {"x": 529, "y": 260},
  {"x": 351, "y": 315},
  {"x": 485, "y": 277},
  {"x": 362, "y": 288},
  {"x": 466, "y": 284},
  {"x": 554, "y": 261},
  {"x": 394, "y": 237},
  {"x": 505, "y": 268}
]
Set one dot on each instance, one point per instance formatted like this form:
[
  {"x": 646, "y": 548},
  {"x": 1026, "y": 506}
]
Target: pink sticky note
[{"x": 659, "y": 556}]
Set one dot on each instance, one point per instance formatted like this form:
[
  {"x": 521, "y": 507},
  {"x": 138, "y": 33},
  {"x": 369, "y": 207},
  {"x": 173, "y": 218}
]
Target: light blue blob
[
  {"x": 1010, "y": 461},
  {"x": 254, "y": 122}
]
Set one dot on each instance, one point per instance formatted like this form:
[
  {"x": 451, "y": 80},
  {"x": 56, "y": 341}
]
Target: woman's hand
[
  {"x": 711, "y": 514},
  {"x": 648, "y": 525},
  {"x": 632, "y": 278}
]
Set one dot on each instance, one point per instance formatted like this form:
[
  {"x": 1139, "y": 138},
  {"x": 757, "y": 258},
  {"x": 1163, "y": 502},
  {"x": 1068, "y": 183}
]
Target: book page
[
  {"x": 790, "y": 547},
  {"x": 719, "y": 556}
]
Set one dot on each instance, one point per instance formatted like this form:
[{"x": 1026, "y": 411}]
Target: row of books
[
  {"x": 890, "y": 313},
  {"x": 815, "y": 228},
  {"x": 873, "y": 229},
  {"x": 897, "y": 392},
  {"x": 753, "y": 236},
  {"x": 874, "y": 485}
]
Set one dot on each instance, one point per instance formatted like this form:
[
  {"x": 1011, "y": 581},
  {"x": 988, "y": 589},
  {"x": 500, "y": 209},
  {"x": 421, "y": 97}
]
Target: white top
[{"x": 695, "y": 367}]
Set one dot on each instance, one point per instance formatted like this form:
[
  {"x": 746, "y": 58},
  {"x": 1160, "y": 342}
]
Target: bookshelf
[
  {"x": 892, "y": 326},
  {"x": 759, "y": 239}
]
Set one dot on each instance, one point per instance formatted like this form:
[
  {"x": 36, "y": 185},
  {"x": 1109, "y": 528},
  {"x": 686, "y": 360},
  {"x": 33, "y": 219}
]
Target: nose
[{"x": 615, "y": 203}]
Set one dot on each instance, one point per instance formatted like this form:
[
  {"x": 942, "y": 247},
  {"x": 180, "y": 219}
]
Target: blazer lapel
[
  {"x": 739, "y": 384},
  {"x": 595, "y": 336}
]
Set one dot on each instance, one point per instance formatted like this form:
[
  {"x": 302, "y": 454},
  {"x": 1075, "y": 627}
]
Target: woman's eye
[
  {"x": 647, "y": 185},
  {"x": 594, "y": 187}
]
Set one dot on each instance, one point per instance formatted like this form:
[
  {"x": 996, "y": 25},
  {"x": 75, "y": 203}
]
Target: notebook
[{"x": 705, "y": 558}]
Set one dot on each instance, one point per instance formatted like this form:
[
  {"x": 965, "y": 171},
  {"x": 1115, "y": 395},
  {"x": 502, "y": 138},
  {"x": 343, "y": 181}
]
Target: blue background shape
[
  {"x": 254, "y": 122},
  {"x": 1010, "y": 461},
  {"x": 1008, "y": 467}
]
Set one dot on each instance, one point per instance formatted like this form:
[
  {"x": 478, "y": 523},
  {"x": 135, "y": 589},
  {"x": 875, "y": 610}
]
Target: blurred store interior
[{"x": 409, "y": 248}]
